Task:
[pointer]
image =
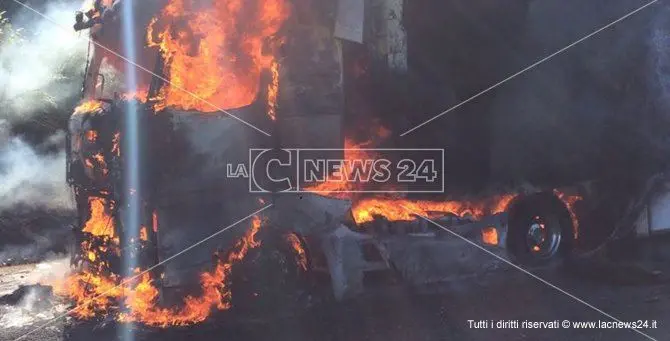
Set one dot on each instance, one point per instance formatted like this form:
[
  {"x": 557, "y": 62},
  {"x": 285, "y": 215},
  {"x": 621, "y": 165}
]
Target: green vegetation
[{"x": 8, "y": 34}]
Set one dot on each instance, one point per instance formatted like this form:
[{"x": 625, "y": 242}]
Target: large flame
[
  {"x": 215, "y": 52},
  {"x": 92, "y": 293},
  {"x": 392, "y": 209},
  {"x": 353, "y": 153},
  {"x": 215, "y": 294},
  {"x": 96, "y": 290},
  {"x": 89, "y": 106},
  {"x": 100, "y": 223},
  {"x": 490, "y": 235},
  {"x": 273, "y": 91}
]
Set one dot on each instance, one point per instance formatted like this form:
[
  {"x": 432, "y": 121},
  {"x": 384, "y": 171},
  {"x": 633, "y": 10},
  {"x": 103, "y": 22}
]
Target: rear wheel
[{"x": 539, "y": 229}]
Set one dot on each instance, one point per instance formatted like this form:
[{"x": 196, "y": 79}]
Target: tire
[{"x": 540, "y": 230}]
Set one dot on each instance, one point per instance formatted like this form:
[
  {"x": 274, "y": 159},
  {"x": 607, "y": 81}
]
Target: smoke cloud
[
  {"x": 41, "y": 68},
  {"x": 32, "y": 179}
]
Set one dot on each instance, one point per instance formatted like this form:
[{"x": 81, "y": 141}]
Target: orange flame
[
  {"x": 391, "y": 209},
  {"x": 396, "y": 209},
  {"x": 96, "y": 293},
  {"x": 116, "y": 150},
  {"x": 141, "y": 300},
  {"x": 569, "y": 202},
  {"x": 299, "y": 250},
  {"x": 91, "y": 136},
  {"x": 490, "y": 235},
  {"x": 101, "y": 223},
  {"x": 144, "y": 235},
  {"x": 355, "y": 155},
  {"x": 94, "y": 288},
  {"x": 89, "y": 106},
  {"x": 214, "y": 56},
  {"x": 273, "y": 91},
  {"x": 93, "y": 293},
  {"x": 154, "y": 221},
  {"x": 100, "y": 161},
  {"x": 140, "y": 94},
  {"x": 353, "y": 152}
]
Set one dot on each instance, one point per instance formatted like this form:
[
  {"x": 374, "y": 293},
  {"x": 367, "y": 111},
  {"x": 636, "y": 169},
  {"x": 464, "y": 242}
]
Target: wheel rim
[{"x": 543, "y": 237}]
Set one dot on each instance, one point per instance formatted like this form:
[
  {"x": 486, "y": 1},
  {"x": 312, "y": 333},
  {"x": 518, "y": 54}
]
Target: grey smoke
[
  {"x": 32, "y": 179},
  {"x": 40, "y": 72},
  {"x": 42, "y": 69},
  {"x": 36, "y": 303}
]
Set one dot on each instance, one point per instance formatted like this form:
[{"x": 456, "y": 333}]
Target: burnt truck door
[{"x": 193, "y": 193}]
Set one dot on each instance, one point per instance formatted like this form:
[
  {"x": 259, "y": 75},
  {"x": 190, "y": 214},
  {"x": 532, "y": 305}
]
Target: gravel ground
[{"x": 18, "y": 319}]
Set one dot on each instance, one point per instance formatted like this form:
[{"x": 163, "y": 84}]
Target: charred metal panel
[
  {"x": 309, "y": 213},
  {"x": 344, "y": 253},
  {"x": 386, "y": 34},
  {"x": 395, "y": 35},
  {"x": 317, "y": 131},
  {"x": 311, "y": 97},
  {"x": 193, "y": 218},
  {"x": 193, "y": 197},
  {"x": 311, "y": 74},
  {"x": 349, "y": 20},
  {"x": 455, "y": 49}
]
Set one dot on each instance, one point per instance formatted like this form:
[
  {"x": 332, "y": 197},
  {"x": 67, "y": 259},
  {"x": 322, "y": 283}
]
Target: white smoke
[
  {"x": 41, "y": 70},
  {"x": 29, "y": 178},
  {"x": 44, "y": 66}
]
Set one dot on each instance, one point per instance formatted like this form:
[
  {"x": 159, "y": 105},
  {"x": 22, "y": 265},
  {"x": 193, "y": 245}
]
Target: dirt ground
[{"x": 400, "y": 313}]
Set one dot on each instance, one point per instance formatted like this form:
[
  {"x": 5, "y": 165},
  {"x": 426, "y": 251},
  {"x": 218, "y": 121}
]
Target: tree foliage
[{"x": 8, "y": 34}]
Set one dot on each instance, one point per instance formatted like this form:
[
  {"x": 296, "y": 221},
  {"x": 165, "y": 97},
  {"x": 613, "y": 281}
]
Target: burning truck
[
  {"x": 186, "y": 141},
  {"x": 274, "y": 66}
]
